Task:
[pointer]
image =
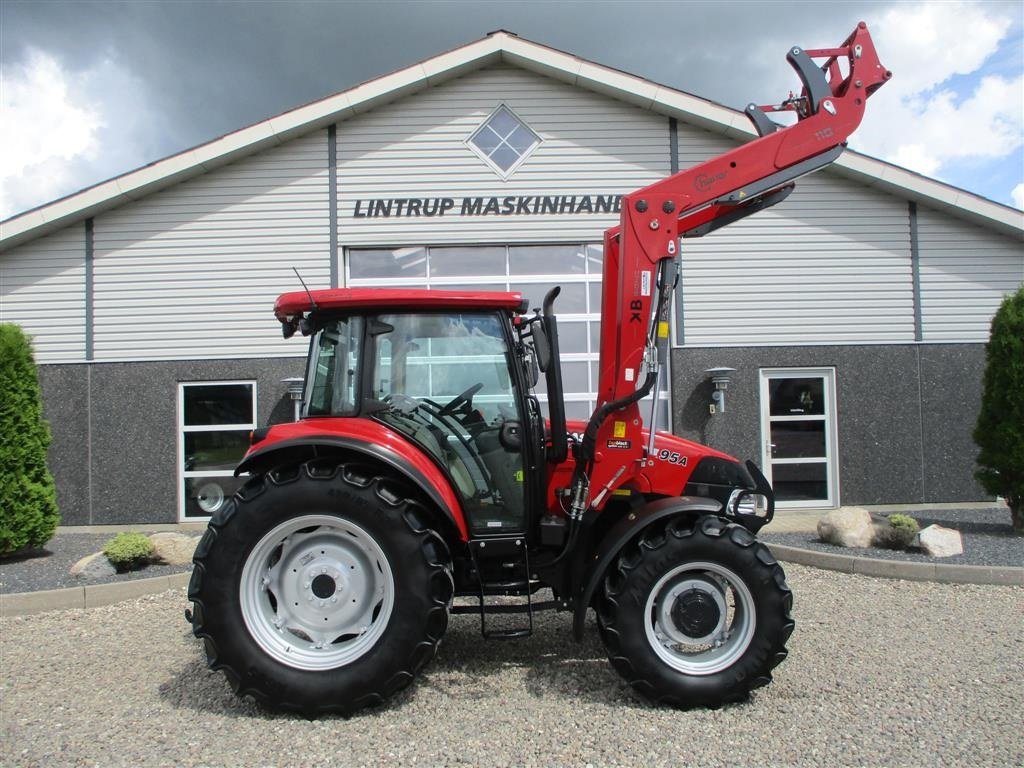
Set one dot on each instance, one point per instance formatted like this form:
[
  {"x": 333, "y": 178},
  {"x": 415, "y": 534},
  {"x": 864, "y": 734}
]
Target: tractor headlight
[{"x": 744, "y": 502}]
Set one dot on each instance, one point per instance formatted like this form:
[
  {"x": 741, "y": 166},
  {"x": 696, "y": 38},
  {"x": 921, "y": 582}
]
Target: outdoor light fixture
[
  {"x": 295, "y": 386},
  {"x": 720, "y": 378}
]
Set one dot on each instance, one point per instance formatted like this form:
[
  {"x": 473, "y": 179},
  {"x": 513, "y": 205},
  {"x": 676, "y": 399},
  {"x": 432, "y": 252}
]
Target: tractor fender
[
  {"x": 623, "y": 532},
  {"x": 422, "y": 474}
]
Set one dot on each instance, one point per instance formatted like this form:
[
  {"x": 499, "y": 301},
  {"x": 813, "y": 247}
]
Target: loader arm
[{"x": 640, "y": 255}]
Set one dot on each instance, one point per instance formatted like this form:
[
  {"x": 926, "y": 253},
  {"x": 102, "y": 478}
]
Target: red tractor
[{"x": 423, "y": 468}]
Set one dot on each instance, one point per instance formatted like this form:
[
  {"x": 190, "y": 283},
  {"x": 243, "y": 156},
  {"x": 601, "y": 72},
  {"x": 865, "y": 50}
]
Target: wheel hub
[
  {"x": 323, "y": 586},
  {"x": 696, "y": 613}
]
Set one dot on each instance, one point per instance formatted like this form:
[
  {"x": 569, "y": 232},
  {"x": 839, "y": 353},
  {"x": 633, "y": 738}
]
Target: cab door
[{"x": 444, "y": 380}]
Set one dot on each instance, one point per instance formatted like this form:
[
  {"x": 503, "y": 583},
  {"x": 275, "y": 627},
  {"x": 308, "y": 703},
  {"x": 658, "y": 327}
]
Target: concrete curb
[
  {"x": 900, "y": 569},
  {"x": 89, "y": 596}
]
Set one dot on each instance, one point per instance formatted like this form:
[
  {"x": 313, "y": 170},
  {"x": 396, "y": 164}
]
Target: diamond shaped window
[{"x": 504, "y": 140}]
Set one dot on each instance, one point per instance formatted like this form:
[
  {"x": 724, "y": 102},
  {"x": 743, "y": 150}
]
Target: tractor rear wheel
[
  {"x": 320, "y": 589},
  {"x": 696, "y": 613}
]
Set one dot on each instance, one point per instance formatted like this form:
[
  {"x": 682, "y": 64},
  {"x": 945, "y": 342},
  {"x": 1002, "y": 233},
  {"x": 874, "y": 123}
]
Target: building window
[
  {"x": 214, "y": 422},
  {"x": 504, "y": 140},
  {"x": 530, "y": 269}
]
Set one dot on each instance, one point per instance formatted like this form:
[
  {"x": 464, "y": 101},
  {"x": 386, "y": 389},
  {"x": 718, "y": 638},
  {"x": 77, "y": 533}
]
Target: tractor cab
[{"x": 451, "y": 373}]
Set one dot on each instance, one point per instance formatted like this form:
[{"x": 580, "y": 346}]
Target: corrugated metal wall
[
  {"x": 965, "y": 272},
  {"x": 193, "y": 271},
  {"x": 42, "y": 288},
  {"x": 417, "y": 147},
  {"x": 831, "y": 264}
]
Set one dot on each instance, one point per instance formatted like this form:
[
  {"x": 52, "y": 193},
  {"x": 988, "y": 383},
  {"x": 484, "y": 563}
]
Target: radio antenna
[{"x": 312, "y": 301}]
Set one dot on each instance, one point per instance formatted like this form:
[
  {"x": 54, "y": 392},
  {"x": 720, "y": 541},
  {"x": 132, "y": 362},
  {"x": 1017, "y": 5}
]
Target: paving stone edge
[
  {"x": 87, "y": 596},
  {"x": 900, "y": 569}
]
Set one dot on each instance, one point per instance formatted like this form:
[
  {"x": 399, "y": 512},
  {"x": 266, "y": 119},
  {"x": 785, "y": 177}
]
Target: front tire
[
  {"x": 320, "y": 589},
  {"x": 696, "y": 613}
]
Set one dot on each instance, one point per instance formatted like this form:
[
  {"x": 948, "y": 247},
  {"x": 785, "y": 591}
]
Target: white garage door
[{"x": 530, "y": 269}]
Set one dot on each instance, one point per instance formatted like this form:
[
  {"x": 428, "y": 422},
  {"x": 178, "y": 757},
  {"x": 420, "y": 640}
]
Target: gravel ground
[
  {"x": 987, "y": 535},
  {"x": 47, "y": 568},
  {"x": 881, "y": 672}
]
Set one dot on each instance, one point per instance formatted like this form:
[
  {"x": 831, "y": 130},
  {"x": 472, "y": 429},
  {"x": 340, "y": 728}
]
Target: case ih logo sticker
[{"x": 513, "y": 205}]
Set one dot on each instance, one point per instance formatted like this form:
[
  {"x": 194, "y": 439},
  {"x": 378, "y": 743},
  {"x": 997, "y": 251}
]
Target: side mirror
[
  {"x": 510, "y": 436},
  {"x": 541, "y": 343}
]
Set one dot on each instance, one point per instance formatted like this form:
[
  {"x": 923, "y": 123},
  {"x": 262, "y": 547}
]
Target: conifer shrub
[
  {"x": 128, "y": 551},
  {"x": 28, "y": 497},
  {"x": 999, "y": 433}
]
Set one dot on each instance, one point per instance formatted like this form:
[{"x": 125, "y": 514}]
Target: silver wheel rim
[
  {"x": 714, "y": 647},
  {"x": 317, "y": 592}
]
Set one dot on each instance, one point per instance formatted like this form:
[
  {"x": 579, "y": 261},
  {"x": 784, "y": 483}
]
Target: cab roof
[{"x": 289, "y": 305}]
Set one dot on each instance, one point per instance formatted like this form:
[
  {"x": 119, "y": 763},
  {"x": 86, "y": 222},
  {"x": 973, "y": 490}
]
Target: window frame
[
  {"x": 183, "y": 429},
  {"x": 485, "y": 124}
]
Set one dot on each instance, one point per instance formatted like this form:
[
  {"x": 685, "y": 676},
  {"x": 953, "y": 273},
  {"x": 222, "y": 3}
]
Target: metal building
[{"x": 854, "y": 314}]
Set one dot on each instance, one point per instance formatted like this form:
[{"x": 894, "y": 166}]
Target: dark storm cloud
[{"x": 210, "y": 68}]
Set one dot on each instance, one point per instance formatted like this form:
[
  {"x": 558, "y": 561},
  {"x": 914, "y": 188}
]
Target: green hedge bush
[
  {"x": 999, "y": 433},
  {"x": 28, "y": 498},
  {"x": 128, "y": 551}
]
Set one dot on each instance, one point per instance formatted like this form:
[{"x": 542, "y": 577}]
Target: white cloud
[
  {"x": 45, "y": 125},
  {"x": 1018, "y": 196},
  {"x": 63, "y": 130},
  {"x": 917, "y": 119}
]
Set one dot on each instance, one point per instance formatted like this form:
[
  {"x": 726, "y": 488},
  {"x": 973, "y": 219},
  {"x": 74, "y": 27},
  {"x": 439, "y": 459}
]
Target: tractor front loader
[{"x": 423, "y": 468}]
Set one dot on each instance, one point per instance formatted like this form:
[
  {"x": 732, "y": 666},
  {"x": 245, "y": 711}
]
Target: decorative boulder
[
  {"x": 94, "y": 566},
  {"x": 937, "y": 541},
  {"x": 171, "y": 548},
  {"x": 847, "y": 527}
]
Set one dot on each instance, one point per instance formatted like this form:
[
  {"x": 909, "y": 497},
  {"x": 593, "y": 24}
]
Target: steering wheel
[{"x": 462, "y": 400}]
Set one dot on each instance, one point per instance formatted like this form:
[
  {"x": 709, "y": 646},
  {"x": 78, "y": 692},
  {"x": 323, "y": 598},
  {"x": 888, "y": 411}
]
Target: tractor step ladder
[{"x": 503, "y": 549}]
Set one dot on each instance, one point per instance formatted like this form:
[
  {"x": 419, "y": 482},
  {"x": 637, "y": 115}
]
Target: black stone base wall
[
  {"x": 905, "y": 413},
  {"x": 114, "y": 454}
]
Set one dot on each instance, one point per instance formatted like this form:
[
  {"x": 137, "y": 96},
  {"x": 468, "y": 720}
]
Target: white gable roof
[{"x": 500, "y": 46}]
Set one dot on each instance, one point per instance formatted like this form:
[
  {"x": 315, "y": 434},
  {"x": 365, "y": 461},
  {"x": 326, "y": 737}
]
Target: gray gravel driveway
[{"x": 880, "y": 673}]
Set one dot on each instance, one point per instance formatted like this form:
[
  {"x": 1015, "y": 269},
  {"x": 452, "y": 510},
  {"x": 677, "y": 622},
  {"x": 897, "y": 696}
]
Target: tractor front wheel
[
  {"x": 320, "y": 589},
  {"x": 696, "y": 613}
]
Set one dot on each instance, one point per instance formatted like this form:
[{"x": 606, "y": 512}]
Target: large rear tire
[
  {"x": 321, "y": 589},
  {"x": 696, "y": 613}
]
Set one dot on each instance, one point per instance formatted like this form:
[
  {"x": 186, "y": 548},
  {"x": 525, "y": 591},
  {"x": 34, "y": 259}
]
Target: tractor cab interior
[{"x": 444, "y": 379}]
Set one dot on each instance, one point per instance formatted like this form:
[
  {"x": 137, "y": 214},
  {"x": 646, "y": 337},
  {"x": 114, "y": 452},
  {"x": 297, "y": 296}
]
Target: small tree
[
  {"x": 1000, "y": 429},
  {"x": 28, "y": 498}
]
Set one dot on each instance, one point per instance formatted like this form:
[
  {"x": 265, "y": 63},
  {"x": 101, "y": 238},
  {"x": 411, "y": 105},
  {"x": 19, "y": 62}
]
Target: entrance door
[{"x": 799, "y": 435}]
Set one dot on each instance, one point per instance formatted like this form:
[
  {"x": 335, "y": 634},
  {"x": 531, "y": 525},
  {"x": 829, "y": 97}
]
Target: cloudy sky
[{"x": 91, "y": 90}]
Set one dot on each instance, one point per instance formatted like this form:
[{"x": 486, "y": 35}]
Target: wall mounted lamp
[
  {"x": 295, "y": 386},
  {"x": 720, "y": 377}
]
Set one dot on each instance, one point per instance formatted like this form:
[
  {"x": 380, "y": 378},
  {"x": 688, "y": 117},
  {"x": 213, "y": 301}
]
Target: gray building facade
[{"x": 853, "y": 315}]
